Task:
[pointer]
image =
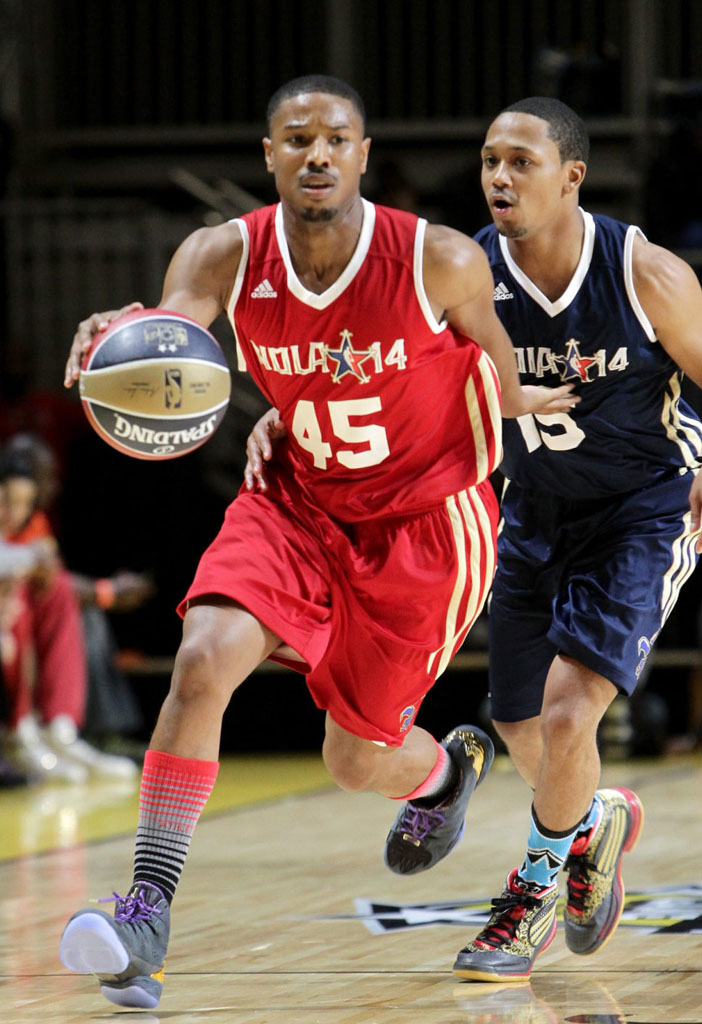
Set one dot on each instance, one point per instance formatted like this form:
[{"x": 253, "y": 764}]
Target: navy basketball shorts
[{"x": 594, "y": 580}]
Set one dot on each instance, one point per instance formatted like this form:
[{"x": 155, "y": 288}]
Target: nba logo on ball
[{"x": 155, "y": 384}]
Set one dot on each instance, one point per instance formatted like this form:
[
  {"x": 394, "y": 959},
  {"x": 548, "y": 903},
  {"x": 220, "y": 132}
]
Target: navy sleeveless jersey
[{"x": 631, "y": 426}]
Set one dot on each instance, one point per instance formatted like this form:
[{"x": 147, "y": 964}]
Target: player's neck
[
  {"x": 319, "y": 250},
  {"x": 550, "y": 257}
]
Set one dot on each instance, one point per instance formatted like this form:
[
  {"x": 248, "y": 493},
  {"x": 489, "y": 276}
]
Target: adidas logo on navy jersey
[
  {"x": 502, "y": 292},
  {"x": 264, "y": 290}
]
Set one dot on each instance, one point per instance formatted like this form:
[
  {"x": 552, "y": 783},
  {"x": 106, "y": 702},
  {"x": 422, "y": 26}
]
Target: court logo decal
[
  {"x": 645, "y": 646},
  {"x": 672, "y": 910}
]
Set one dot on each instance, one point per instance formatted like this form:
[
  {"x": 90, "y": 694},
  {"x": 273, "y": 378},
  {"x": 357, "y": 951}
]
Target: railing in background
[
  {"x": 148, "y": 62},
  {"x": 65, "y": 258}
]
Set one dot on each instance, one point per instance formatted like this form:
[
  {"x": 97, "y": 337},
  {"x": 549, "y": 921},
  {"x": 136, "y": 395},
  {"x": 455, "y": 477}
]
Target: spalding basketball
[{"x": 155, "y": 384}]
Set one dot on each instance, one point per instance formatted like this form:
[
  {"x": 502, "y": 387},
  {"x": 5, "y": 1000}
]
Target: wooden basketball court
[{"x": 287, "y": 914}]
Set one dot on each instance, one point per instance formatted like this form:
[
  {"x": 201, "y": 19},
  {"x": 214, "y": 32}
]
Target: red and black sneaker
[{"x": 522, "y": 925}]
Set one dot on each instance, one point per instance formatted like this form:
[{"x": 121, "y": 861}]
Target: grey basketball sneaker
[
  {"x": 595, "y": 888},
  {"x": 127, "y": 951},
  {"x": 422, "y": 836}
]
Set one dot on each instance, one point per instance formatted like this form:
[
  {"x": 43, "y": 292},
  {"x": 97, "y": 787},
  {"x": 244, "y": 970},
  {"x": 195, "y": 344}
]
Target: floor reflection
[{"x": 547, "y": 999}]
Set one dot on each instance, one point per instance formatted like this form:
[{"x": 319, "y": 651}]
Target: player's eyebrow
[
  {"x": 513, "y": 147},
  {"x": 339, "y": 126}
]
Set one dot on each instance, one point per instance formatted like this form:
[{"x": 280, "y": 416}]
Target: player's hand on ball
[
  {"x": 259, "y": 448},
  {"x": 83, "y": 338},
  {"x": 537, "y": 398}
]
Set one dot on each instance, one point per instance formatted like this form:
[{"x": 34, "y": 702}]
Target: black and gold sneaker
[
  {"x": 522, "y": 925},
  {"x": 422, "y": 836},
  {"x": 595, "y": 888}
]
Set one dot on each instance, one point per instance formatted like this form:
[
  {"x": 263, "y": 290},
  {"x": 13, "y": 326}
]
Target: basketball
[{"x": 155, "y": 384}]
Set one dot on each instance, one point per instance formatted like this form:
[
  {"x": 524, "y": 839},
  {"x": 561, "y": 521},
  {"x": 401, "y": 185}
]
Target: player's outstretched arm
[
  {"x": 459, "y": 285},
  {"x": 260, "y": 443},
  {"x": 201, "y": 274}
]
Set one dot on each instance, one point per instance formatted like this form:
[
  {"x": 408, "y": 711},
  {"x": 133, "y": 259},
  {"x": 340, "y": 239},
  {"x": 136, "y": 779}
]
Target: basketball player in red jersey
[{"x": 370, "y": 553}]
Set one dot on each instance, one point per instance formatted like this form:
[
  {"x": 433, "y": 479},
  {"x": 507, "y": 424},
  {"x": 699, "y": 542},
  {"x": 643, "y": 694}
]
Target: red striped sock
[{"x": 174, "y": 790}]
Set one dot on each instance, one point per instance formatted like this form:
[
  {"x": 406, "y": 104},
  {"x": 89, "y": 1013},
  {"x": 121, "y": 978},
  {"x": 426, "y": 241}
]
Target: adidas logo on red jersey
[{"x": 264, "y": 290}]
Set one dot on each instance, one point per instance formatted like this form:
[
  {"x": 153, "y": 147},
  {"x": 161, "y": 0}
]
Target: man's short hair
[
  {"x": 565, "y": 127},
  {"x": 315, "y": 83}
]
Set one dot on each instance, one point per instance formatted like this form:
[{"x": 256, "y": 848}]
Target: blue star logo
[
  {"x": 573, "y": 366},
  {"x": 348, "y": 360}
]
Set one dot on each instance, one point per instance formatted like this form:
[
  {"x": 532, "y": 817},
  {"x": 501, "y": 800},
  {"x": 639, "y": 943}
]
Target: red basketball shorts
[{"x": 375, "y": 610}]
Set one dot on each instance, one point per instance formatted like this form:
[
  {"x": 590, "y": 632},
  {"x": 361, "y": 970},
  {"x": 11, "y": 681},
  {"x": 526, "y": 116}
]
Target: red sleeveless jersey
[{"x": 388, "y": 411}]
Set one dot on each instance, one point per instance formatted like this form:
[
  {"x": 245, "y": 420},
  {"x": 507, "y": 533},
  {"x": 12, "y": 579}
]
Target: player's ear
[
  {"x": 575, "y": 175},
  {"x": 268, "y": 154},
  {"x": 365, "y": 148}
]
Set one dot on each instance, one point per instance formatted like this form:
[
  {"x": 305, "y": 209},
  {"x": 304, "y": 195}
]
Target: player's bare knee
[
  {"x": 562, "y": 725},
  {"x": 197, "y": 675},
  {"x": 349, "y": 765}
]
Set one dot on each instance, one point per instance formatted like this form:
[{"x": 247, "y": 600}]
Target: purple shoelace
[
  {"x": 418, "y": 822},
  {"x": 131, "y": 908}
]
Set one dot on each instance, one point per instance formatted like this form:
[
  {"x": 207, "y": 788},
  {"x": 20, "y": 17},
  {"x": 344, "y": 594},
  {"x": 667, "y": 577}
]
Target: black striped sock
[{"x": 174, "y": 791}]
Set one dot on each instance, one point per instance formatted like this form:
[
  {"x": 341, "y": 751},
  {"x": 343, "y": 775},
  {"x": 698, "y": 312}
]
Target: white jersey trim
[
  {"x": 236, "y": 290},
  {"x": 332, "y": 293},
  {"x": 681, "y": 430},
  {"x": 418, "y": 264},
  {"x": 683, "y": 562},
  {"x": 486, "y": 368},
  {"x": 631, "y": 235},
  {"x": 554, "y": 308}
]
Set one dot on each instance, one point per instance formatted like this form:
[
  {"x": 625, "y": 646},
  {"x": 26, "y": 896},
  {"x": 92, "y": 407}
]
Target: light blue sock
[{"x": 546, "y": 853}]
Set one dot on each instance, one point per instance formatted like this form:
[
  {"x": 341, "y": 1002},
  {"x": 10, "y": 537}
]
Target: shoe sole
[
  {"x": 637, "y": 820},
  {"x": 90, "y": 946},
  {"x": 478, "y": 974},
  {"x": 131, "y": 994}
]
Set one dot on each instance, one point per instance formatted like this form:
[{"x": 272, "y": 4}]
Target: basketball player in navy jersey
[
  {"x": 601, "y": 516},
  {"x": 371, "y": 552}
]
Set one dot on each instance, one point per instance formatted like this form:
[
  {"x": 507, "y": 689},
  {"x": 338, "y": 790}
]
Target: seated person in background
[
  {"x": 112, "y": 711},
  {"x": 15, "y": 562},
  {"x": 44, "y": 662}
]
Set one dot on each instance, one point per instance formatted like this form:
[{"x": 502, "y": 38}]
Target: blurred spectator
[
  {"x": 44, "y": 660},
  {"x": 15, "y": 563}
]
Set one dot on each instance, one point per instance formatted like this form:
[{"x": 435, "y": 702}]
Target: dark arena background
[{"x": 126, "y": 125}]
